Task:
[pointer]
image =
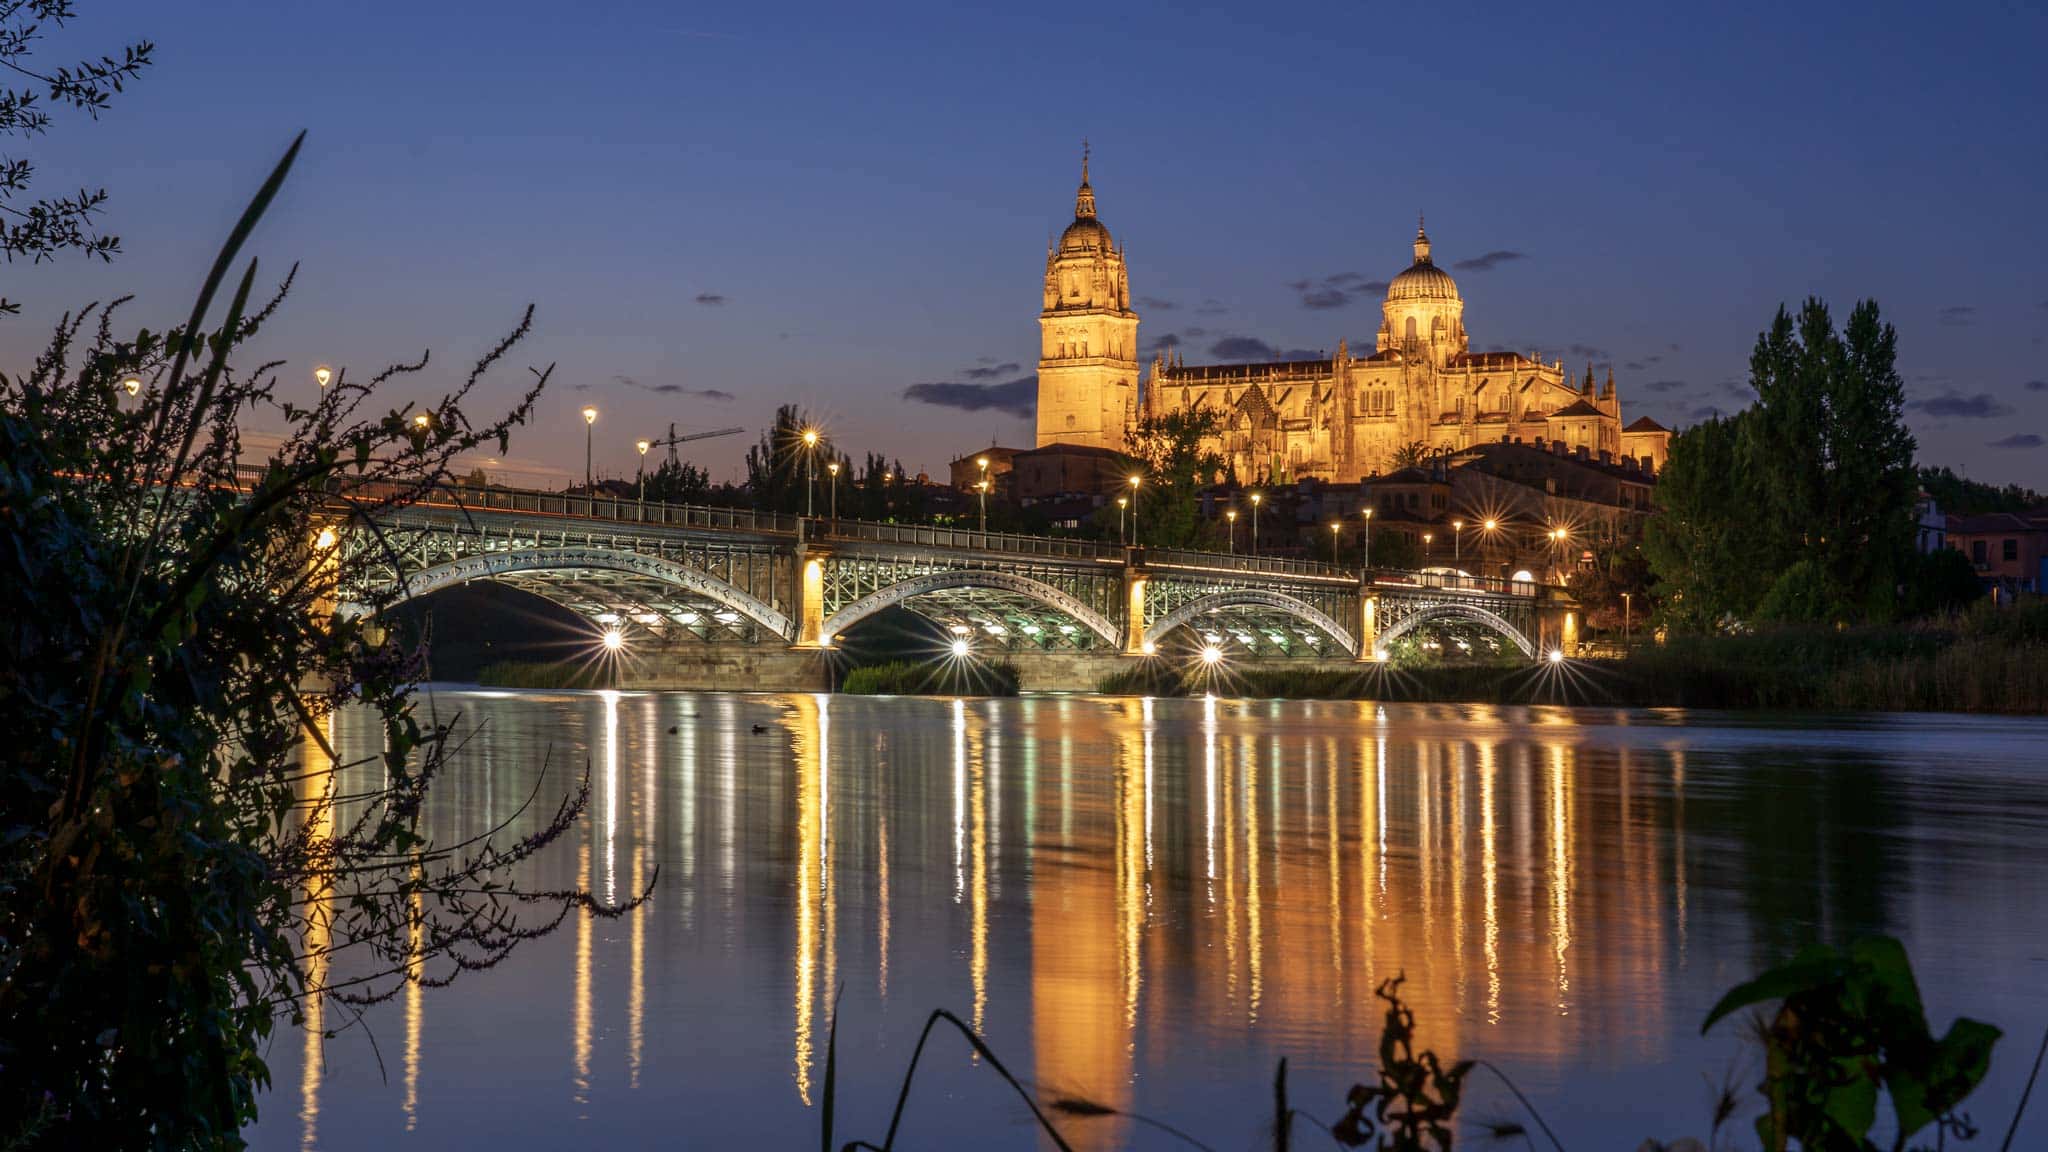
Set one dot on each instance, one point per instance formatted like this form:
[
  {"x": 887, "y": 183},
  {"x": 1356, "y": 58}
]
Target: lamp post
[
  {"x": 1135, "y": 481},
  {"x": 323, "y": 375},
  {"x": 1122, "y": 502},
  {"x": 1336, "y": 536},
  {"x": 1230, "y": 514},
  {"x": 1457, "y": 542},
  {"x": 1625, "y": 613},
  {"x": 589, "y": 421},
  {"x": 1256, "y": 498},
  {"x": 810, "y": 467},
  {"x": 1487, "y": 527},
  {"x": 833, "y": 468},
  {"x": 983, "y": 485},
  {"x": 1426, "y": 538},
  {"x": 642, "y": 446},
  {"x": 1368, "y": 536}
]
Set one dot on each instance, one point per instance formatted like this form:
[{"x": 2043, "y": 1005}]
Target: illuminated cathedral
[{"x": 1342, "y": 418}]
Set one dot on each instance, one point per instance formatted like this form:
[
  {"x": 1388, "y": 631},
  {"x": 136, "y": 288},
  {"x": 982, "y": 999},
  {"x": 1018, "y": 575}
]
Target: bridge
[{"x": 699, "y": 595}]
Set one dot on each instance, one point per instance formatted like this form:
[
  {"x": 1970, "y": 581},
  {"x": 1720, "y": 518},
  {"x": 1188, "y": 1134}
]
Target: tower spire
[
  {"x": 1421, "y": 241},
  {"x": 1084, "y": 200}
]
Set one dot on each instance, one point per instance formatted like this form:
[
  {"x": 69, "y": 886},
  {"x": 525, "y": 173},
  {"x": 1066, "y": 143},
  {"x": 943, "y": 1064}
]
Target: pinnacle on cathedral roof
[{"x": 1084, "y": 199}]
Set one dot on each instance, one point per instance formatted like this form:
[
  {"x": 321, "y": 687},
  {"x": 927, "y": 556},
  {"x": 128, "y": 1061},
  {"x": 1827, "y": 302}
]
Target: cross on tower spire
[{"x": 1084, "y": 200}]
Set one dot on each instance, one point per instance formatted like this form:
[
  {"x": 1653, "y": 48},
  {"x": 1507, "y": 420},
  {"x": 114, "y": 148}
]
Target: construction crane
[{"x": 672, "y": 440}]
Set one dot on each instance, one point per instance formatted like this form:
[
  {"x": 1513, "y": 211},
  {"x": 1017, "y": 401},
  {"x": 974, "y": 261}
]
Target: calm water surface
[{"x": 1149, "y": 902}]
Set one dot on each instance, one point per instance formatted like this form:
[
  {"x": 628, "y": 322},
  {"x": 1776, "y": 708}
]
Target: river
[{"x": 1148, "y": 903}]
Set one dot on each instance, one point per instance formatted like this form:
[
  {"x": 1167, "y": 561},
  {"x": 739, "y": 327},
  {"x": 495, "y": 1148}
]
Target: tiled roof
[
  {"x": 1645, "y": 424},
  {"x": 1576, "y": 408}
]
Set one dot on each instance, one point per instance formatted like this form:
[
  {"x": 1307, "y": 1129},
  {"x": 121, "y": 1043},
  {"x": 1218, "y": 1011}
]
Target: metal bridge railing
[
  {"x": 1402, "y": 578},
  {"x": 1007, "y": 542},
  {"x": 1238, "y": 562}
]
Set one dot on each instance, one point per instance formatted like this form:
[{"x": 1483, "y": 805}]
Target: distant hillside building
[{"x": 1341, "y": 418}]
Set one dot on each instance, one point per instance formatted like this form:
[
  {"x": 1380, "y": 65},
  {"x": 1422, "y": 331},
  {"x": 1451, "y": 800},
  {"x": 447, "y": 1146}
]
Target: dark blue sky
[{"x": 829, "y": 204}]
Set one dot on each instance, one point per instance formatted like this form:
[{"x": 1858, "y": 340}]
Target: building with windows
[
  {"x": 2009, "y": 550},
  {"x": 1340, "y": 419}
]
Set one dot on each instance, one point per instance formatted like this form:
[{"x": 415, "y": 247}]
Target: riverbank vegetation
[
  {"x": 932, "y": 678},
  {"x": 1844, "y": 1033},
  {"x": 184, "y": 861},
  {"x": 1987, "y": 659}
]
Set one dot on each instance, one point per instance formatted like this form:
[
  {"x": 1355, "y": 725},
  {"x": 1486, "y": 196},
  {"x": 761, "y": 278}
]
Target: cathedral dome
[
  {"x": 1422, "y": 280},
  {"x": 1084, "y": 232}
]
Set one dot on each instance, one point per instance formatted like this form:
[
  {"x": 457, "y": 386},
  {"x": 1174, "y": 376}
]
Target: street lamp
[
  {"x": 1426, "y": 538},
  {"x": 132, "y": 385},
  {"x": 1625, "y": 612},
  {"x": 1457, "y": 542},
  {"x": 1336, "y": 535},
  {"x": 422, "y": 421},
  {"x": 643, "y": 446},
  {"x": 810, "y": 467},
  {"x": 322, "y": 375},
  {"x": 1230, "y": 514},
  {"x": 833, "y": 468},
  {"x": 1256, "y": 497},
  {"x": 1368, "y": 536},
  {"x": 589, "y": 419},
  {"x": 1135, "y": 481},
  {"x": 984, "y": 505},
  {"x": 1122, "y": 502}
]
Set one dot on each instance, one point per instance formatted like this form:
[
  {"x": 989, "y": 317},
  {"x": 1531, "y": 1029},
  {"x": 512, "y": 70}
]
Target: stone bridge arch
[
  {"x": 1061, "y": 602},
  {"x": 1466, "y": 612},
  {"x": 631, "y": 566},
  {"x": 1201, "y": 606}
]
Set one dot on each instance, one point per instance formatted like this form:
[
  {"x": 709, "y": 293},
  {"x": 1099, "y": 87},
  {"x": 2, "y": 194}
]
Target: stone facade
[{"x": 1422, "y": 390}]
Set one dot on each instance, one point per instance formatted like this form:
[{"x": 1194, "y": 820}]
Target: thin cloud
[
  {"x": 710, "y": 299},
  {"x": 1958, "y": 315},
  {"x": 1242, "y": 348},
  {"x": 1325, "y": 298},
  {"x": 1157, "y": 304},
  {"x": 1586, "y": 352},
  {"x": 1489, "y": 261},
  {"x": 1018, "y": 397},
  {"x": 1212, "y": 308},
  {"x": 1977, "y": 406},
  {"x": 1665, "y": 385},
  {"x": 667, "y": 389},
  {"x": 1162, "y": 342},
  {"x": 2036, "y": 385},
  {"x": 2017, "y": 440},
  {"x": 990, "y": 371}
]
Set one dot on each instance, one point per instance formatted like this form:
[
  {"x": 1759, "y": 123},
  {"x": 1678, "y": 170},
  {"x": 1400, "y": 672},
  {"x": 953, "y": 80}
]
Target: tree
[
  {"x": 1174, "y": 455},
  {"x": 1959, "y": 496},
  {"x": 1618, "y": 570},
  {"x": 1699, "y": 545},
  {"x": 678, "y": 482},
  {"x": 1828, "y": 457},
  {"x": 1413, "y": 454},
  {"x": 182, "y": 857},
  {"x": 38, "y": 230}
]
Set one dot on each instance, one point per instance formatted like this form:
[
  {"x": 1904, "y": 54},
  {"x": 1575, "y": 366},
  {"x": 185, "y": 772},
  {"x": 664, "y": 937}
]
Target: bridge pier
[
  {"x": 1134, "y": 610},
  {"x": 1557, "y": 627},
  {"x": 697, "y": 667},
  {"x": 1368, "y": 624}
]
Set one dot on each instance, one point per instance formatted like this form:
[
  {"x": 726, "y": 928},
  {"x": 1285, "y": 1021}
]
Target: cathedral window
[{"x": 1411, "y": 329}]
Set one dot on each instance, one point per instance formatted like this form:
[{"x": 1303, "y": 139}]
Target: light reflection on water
[{"x": 1146, "y": 903}]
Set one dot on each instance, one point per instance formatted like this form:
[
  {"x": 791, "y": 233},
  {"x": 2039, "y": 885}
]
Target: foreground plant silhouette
[{"x": 184, "y": 858}]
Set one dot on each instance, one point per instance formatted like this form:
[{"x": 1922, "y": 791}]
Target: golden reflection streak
[
  {"x": 1230, "y": 823},
  {"x": 648, "y": 802},
  {"x": 1368, "y": 815},
  {"x": 809, "y": 856},
  {"x": 319, "y": 931},
  {"x": 1458, "y": 769},
  {"x": 977, "y": 963},
  {"x": 580, "y": 1025},
  {"x": 1489, "y": 865},
  {"x": 1146, "y": 704},
  {"x": 1248, "y": 786},
  {"x": 826, "y": 881},
  {"x": 1560, "y": 873},
  {"x": 959, "y": 800},
  {"x": 882, "y": 880},
  {"x": 1678, "y": 873},
  {"x": 1335, "y": 914},
  {"x": 415, "y": 928},
  {"x": 1209, "y": 793},
  {"x": 611, "y": 792},
  {"x": 1130, "y": 847}
]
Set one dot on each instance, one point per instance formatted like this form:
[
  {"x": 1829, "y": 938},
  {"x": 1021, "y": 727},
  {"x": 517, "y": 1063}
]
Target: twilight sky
[{"x": 719, "y": 208}]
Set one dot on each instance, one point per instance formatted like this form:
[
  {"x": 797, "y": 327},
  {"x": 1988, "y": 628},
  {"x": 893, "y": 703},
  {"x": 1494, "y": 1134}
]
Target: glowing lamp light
[
  {"x": 1151, "y": 649},
  {"x": 324, "y": 540},
  {"x": 323, "y": 375},
  {"x": 1380, "y": 654},
  {"x": 643, "y": 445},
  {"x": 810, "y": 437},
  {"x": 1211, "y": 654},
  {"x": 959, "y": 648},
  {"x": 422, "y": 420},
  {"x": 1492, "y": 524},
  {"x": 614, "y": 640},
  {"x": 590, "y": 415},
  {"x": 131, "y": 385},
  {"x": 1555, "y": 656}
]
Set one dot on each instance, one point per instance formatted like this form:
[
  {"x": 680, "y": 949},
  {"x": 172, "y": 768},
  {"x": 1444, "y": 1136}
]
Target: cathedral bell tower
[{"x": 1088, "y": 350}]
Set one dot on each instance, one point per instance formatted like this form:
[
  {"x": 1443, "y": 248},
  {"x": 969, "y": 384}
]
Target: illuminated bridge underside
[
  {"x": 629, "y": 590},
  {"x": 997, "y": 607},
  {"x": 1254, "y": 621},
  {"x": 1461, "y": 612}
]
